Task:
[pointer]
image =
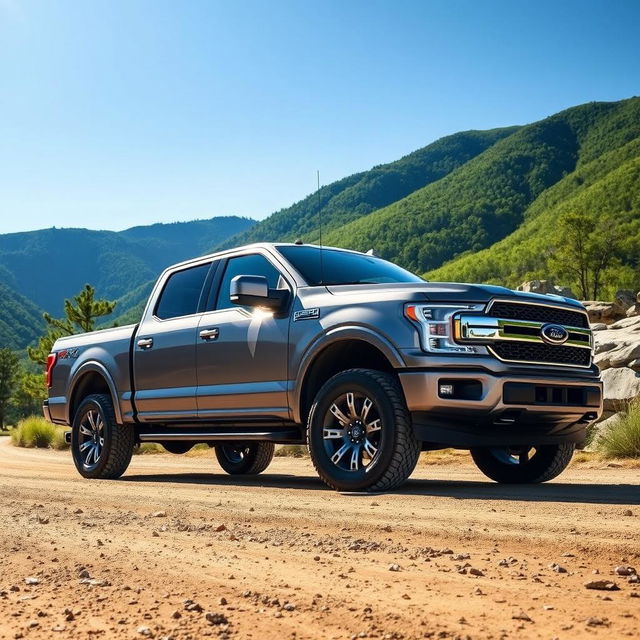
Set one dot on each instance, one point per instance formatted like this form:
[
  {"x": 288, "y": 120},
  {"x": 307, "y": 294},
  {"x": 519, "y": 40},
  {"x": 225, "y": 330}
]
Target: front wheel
[
  {"x": 101, "y": 448},
  {"x": 244, "y": 458},
  {"x": 523, "y": 465},
  {"x": 359, "y": 432}
]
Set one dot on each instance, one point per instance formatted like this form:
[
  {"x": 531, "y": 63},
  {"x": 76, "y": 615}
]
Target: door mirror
[{"x": 253, "y": 291}]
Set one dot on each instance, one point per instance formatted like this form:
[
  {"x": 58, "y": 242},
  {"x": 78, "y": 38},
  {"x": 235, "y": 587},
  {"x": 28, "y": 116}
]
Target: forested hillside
[
  {"x": 49, "y": 265},
  {"x": 487, "y": 199},
  {"x": 358, "y": 195},
  {"x": 20, "y": 320}
]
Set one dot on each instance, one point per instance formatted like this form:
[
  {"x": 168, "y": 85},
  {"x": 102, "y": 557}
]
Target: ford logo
[{"x": 554, "y": 334}]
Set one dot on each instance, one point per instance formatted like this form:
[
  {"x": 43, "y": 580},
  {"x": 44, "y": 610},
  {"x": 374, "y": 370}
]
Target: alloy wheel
[
  {"x": 352, "y": 432},
  {"x": 91, "y": 438}
]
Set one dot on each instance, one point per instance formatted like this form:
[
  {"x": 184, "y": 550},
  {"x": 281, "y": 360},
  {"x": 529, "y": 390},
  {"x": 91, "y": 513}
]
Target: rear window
[
  {"x": 181, "y": 293},
  {"x": 331, "y": 266}
]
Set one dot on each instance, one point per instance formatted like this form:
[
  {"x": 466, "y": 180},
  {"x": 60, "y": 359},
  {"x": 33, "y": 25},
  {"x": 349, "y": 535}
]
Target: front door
[{"x": 241, "y": 352}]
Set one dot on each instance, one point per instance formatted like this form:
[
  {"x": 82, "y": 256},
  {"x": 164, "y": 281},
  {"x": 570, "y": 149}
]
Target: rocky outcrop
[
  {"x": 618, "y": 345},
  {"x": 621, "y": 386},
  {"x": 546, "y": 287}
]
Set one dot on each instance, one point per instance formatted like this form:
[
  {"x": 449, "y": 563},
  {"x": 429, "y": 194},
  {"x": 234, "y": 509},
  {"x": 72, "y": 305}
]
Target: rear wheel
[
  {"x": 359, "y": 432},
  {"x": 523, "y": 465},
  {"x": 101, "y": 448},
  {"x": 244, "y": 457}
]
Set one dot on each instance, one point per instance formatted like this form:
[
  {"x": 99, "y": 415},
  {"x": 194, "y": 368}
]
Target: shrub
[
  {"x": 623, "y": 439},
  {"x": 37, "y": 432},
  {"x": 291, "y": 451}
]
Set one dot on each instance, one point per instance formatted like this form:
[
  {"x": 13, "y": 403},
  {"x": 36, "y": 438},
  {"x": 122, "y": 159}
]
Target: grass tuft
[
  {"x": 291, "y": 451},
  {"x": 623, "y": 439},
  {"x": 37, "y": 432}
]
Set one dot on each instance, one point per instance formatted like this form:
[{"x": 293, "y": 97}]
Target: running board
[{"x": 288, "y": 435}]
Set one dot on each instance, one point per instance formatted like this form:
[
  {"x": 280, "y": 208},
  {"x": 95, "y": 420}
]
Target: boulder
[
  {"x": 633, "y": 311},
  {"x": 621, "y": 386},
  {"x": 623, "y": 300},
  {"x": 546, "y": 287},
  {"x": 598, "y": 326},
  {"x": 606, "y": 312}
]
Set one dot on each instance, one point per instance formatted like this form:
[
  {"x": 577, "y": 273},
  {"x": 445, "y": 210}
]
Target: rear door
[
  {"x": 242, "y": 352},
  {"x": 164, "y": 350}
]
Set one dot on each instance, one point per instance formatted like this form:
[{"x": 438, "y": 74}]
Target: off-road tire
[
  {"x": 257, "y": 456},
  {"x": 548, "y": 462},
  {"x": 119, "y": 440},
  {"x": 398, "y": 447}
]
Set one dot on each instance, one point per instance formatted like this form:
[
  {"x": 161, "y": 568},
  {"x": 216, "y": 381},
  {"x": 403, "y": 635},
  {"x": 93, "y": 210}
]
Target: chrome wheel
[
  {"x": 352, "y": 431},
  {"x": 91, "y": 438}
]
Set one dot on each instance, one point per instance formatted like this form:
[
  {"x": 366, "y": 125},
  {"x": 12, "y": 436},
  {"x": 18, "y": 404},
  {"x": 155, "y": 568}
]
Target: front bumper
[{"x": 484, "y": 409}]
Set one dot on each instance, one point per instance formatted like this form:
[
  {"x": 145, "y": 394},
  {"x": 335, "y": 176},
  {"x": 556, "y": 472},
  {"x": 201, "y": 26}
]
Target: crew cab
[{"x": 363, "y": 361}]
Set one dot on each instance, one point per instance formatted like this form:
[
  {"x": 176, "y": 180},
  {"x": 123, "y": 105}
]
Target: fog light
[{"x": 445, "y": 390}]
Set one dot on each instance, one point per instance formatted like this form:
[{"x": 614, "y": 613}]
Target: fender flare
[
  {"x": 93, "y": 366},
  {"x": 333, "y": 336}
]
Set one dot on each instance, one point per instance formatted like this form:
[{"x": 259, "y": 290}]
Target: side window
[
  {"x": 181, "y": 292},
  {"x": 251, "y": 265}
]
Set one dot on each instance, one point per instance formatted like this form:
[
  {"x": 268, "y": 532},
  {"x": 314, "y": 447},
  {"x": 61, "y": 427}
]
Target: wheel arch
[
  {"x": 91, "y": 377},
  {"x": 338, "y": 351}
]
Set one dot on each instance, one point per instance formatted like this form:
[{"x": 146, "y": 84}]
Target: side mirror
[{"x": 253, "y": 291}]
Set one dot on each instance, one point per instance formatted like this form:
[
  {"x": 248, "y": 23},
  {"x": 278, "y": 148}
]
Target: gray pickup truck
[{"x": 361, "y": 360}]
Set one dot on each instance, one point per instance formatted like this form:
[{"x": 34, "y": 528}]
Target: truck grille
[
  {"x": 544, "y": 353},
  {"x": 538, "y": 313}
]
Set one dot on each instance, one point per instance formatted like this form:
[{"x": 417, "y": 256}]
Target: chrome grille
[
  {"x": 538, "y": 313},
  {"x": 516, "y": 332}
]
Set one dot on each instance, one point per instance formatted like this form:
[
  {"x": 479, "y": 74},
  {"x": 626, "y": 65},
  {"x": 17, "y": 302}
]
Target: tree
[
  {"x": 585, "y": 249},
  {"x": 80, "y": 316},
  {"x": 30, "y": 392},
  {"x": 9, "y": 367}
]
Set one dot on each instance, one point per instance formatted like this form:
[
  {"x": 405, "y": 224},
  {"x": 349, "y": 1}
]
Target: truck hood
[{"x": 446, "y": 292}]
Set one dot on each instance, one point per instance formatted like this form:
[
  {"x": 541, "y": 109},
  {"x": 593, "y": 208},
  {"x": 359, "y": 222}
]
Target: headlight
[{"x": 435, "y": 324}]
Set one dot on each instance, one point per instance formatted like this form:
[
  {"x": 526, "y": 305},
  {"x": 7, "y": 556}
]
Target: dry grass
[
  {"x": 291, "y": 451},
  {"x": 622, "y": 440},
  {"x": 37, "y": 432}
]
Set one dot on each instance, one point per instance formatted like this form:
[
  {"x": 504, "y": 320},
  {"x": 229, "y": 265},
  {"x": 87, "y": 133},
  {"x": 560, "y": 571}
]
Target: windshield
[{"x": 342, "y": 267}]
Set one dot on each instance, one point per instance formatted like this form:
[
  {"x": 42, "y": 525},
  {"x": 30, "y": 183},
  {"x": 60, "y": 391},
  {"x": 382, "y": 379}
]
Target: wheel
[
  {"x": 101, "y": 448},
  {"x": 359, "y": 432},
  {"x": 177, "y": 447},
  {"x": 523, "y": 465},
  {"x": 244, "y": 457}
]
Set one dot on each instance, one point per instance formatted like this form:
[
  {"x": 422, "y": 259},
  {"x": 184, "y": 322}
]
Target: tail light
[{"x": 51, "y": 361}]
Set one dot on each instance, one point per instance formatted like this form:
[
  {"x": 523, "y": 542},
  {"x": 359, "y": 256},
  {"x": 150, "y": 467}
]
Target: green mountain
[
  {"x": 358, "y": 195},
  {"x": 606, "y": 186},
  {"x": 50, "y": 265},
  {"x": 20, "y": 320},
  {"x": 488, "y": 198}
]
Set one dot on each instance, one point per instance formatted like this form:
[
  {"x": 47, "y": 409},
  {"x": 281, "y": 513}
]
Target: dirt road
[{"x": 177, "y": 549}]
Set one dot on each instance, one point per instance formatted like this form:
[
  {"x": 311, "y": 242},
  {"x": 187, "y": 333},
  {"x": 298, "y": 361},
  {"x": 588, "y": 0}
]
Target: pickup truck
[{"x": 364, "y": 362}]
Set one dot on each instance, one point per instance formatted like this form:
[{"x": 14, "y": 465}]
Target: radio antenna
[{"x": 320, "y": 225}]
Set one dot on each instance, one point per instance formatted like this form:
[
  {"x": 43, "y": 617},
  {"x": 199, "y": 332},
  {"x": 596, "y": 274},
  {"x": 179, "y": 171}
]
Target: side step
[{"x": 192, "y": 435}]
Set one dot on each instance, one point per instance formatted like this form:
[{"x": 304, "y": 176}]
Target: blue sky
[{"x": 119, "y": 113}]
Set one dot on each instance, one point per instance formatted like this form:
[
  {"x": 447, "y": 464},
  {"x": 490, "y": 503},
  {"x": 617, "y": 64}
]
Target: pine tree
[{"x": 80, "y": 316}]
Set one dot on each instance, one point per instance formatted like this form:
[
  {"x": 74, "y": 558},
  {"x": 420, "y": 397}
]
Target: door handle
[
  {"x": 209, "y": 334},
  {"x": 145, "y": 343}
]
